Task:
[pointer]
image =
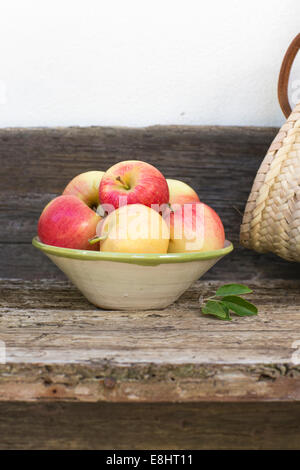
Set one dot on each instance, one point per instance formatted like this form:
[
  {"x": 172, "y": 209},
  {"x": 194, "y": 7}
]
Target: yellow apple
[
  {"x": 181, "y": 193},
  {"x": 134, "y": 228}
]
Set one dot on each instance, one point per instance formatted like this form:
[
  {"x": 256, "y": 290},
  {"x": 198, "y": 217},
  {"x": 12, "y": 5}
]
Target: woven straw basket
[{"x": 271, "y": 220}]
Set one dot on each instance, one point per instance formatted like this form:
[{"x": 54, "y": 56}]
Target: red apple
[
  {"x": 134, "y": 182},
  {"x": 181, "y": 193},
  {"x": 86, "y": 187},
  {"x": 68, "y": 222},
  {"x": 194, "y": 227}
]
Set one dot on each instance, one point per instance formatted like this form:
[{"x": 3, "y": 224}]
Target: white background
[{"x": 137, "y": 62}]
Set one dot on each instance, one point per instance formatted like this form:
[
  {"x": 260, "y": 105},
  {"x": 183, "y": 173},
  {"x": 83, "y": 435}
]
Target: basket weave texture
[{"x": 271, "y": 220}]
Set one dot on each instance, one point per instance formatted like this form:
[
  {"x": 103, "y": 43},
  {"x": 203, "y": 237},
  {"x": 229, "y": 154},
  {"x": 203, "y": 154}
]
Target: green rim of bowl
[{"x": 147, "y": 259}]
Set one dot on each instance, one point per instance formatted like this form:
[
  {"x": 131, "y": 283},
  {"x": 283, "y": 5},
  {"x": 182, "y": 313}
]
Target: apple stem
[
  {"x": 100, "y": 211},
  {"x": 170, "y": 207},
  {"x": 97, "y": 239},
  {"x": 122, "y": 182}
]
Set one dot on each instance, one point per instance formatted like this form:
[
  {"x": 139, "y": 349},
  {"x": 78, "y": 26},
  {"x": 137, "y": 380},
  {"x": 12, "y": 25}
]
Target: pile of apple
[{"x": 130, "y": 208}]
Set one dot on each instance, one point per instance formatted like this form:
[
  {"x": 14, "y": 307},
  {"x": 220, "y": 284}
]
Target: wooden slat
[
  {"x": 220, "y": 162},
  {"x": 61, "y": 347},
  {"x": 80, "y": 377},
  {"x": 43, "y": 160},
  {"x": 149, "y": 426}
]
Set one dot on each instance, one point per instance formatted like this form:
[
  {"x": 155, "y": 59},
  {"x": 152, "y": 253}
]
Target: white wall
[{"x": 138, "y": 62}]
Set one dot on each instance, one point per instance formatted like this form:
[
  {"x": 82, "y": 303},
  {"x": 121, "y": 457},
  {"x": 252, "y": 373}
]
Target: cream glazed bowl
[{"x": 129, "y": 281}]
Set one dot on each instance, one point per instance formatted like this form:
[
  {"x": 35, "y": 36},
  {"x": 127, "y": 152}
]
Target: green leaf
[
  {"x": 233, "y": 289},
  {"x": 216, "y": 308},
  {"x": 239, "y": 306}
]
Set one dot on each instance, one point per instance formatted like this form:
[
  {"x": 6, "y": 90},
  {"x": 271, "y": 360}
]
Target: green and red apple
[
  {"x": 133, "y": 182},
  {"x": 68, "y": 222},
  {"x": 194, "y": 227},
  {"x": 86, "y": 187}
]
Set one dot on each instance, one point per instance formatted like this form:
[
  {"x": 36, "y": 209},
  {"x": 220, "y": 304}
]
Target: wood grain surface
[
  {"x": 219, "y": 162},
  {"x": 149, "y": 426},
  {"x": 79, "y": 377},
  {"x": 60, "y": 347}
]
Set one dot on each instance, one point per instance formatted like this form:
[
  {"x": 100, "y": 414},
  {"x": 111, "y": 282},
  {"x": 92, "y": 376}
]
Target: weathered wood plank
[
  {"x": 61, "y": 347},
  {"x": 42, "y": 294},
  {"x": 80, "y": 377},
  {"x": 220, "y": 162},
  {"x": 43, "y": 160},
  {"x": 149, "y": 426}
]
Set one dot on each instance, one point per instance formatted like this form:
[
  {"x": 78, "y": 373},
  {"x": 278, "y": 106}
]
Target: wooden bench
[{"x": 79, "y": 377}]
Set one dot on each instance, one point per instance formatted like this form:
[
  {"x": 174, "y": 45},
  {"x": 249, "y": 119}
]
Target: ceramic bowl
[{"x": 127, "y": 281}]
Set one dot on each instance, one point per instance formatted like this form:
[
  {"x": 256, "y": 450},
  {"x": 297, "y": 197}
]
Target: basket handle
[{"x": 284, "y": 75}]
